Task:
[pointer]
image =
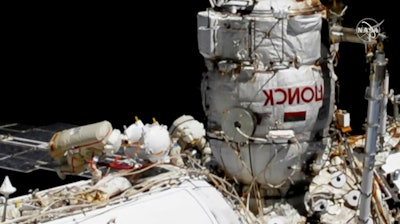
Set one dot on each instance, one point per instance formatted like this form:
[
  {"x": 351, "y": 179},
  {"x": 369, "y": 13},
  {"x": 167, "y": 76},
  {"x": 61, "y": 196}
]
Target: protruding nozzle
[
  {"x": 6, "y": 188},
  {"x": 155, "y": 121}
]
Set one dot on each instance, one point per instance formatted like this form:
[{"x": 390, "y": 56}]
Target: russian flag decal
[{"x": 294, "y": 116}]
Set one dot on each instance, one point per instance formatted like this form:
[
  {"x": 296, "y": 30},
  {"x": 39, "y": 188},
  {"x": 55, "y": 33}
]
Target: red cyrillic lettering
[
  {"x": 295, "y": 95},
  {"x": 304, "y": 94},
  {"x": 284, "y": 95},
  {"x": 319, "y": 93},
  {"x": 270, "y": 97}
]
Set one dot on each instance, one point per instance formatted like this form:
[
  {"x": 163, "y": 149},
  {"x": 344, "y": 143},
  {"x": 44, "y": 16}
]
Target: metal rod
[
  {"x": 383, "y": 111},
  {"x": 5, "y": 208},
  {"x": 374, "y": 95}
]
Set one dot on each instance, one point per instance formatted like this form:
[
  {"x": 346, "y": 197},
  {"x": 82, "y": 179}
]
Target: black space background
[{"x": 83, "y": 63}]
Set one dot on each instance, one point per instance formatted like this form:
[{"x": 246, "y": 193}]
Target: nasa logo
[
  {"x": 292, "y": 96},
  {"x": 368, "y": 29}
]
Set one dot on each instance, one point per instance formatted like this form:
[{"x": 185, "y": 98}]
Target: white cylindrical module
[{"x": 92, "y": 135}]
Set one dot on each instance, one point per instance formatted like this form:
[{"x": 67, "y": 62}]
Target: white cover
[
  {"x": 195, "y": 202},
  {"x": 270, "y": 39}
]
